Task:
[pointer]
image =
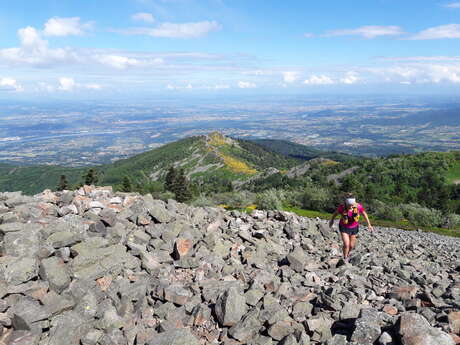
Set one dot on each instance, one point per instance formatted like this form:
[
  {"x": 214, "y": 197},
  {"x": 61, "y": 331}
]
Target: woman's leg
[
  {"x": 346, "y": 244},
  {"x": 352, "y": 242}
]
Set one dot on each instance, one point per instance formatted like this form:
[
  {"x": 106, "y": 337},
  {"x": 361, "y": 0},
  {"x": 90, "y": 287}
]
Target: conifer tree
[
  {"x": 170, "y": 179},
  {"x": 181, "y": 187},
  {"x": 63, "y": 183},
  {"x": 91, "y": 177},
  {"x": 126, "y": 186}
]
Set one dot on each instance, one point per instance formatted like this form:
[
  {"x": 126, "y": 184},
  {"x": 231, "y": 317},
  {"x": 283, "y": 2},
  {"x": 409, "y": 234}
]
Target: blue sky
[{"x": 171, "y": 47}]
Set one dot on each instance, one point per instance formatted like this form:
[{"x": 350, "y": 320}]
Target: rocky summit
[{"x": 91, "y": 266}]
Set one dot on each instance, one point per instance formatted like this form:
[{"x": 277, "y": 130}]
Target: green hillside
[
  {"x": 301, "y": 152},
  {"x": 212, "y": 159},
  {"x": 33, "y": 179}
]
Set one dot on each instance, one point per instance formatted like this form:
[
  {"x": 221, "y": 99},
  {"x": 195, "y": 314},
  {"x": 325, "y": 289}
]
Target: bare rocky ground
[{"x": 91, "y": 267}]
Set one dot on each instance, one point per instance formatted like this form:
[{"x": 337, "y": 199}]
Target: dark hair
[{"x": 348, "y": 195}]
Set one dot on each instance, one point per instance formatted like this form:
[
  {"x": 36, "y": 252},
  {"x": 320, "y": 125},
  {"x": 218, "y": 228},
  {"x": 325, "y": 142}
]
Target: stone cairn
[{"x": 94, "y": 267}]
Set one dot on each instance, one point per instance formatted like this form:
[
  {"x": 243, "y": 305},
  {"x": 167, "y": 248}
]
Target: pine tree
[
  {"x": 170, "y": 179},
  {"x": 181, "y": 187},
  {"x": 126, "y": 186},
  {"x": 91, "y": 177},
  {"x": 63, "y": 183}
]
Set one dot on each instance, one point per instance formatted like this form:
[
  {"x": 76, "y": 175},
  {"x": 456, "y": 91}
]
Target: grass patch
[{"x": 405, "y": 225}]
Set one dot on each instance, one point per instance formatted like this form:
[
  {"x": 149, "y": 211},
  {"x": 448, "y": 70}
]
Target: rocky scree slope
[{"x": 95, "y": 267}]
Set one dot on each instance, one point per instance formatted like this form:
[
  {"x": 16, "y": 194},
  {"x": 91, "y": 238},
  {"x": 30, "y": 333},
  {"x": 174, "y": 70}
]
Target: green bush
[
  {"x": 239, "y": 199},
  {"x": 315, "y": 198},
  {"x": 271, "y": 199},
  {"x": 452, "y": 221},
  {"x": 386, "y": 211},
  {"x": 203, "y": 201},
  {"x": 422, "y": 216}
]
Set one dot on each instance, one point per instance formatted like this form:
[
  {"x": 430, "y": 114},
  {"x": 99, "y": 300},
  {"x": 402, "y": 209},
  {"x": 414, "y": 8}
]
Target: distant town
[{"x": 81, "y": 134}]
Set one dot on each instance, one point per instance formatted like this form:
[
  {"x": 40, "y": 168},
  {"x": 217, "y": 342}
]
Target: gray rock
[
  {"x": 338, "y": 339},
  {"x": 21, "y": 270},
  {"x": 157, "y": 210},
  {"x": 181, "y": 336},
  {"x": 54, "y": 270},
  {"x": 93, "y": 263},
  {"x": 297, "y": 259},
  {"x": 230, "y": 307},
  {"x": 26, "y": 313},
  {"x": 415, "y": 329},
  {"x": 289, "y": 340},
  {"x": 246, "y": 328},
  {"x": 11, "y": 227},
  {"x": 67, "y": 328},
  {"x": 63, "y": 239}
]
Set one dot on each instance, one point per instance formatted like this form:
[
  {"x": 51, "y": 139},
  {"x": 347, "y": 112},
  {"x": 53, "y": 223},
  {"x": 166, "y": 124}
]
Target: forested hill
[
  {"x": 217, "y": 170},
  {"x": 300, "y": 151}
]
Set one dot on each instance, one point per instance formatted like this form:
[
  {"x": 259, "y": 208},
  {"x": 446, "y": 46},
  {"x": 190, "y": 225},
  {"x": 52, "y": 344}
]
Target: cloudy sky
[{"x": 110, "y": 48}]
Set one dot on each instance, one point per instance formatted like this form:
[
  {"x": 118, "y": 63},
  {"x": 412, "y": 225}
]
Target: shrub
[
  {"x": 315, "y": 198},
  {"x": 422, "y": 216},
  {"x": 452, "y": 221},
  {"x": 203, "y": 201},
  {"x": 271, "y": 199},
  {"x": 234, "y": 199},
  {"x": 387, "y": 211},
  {"x": 163, "y": 195}
]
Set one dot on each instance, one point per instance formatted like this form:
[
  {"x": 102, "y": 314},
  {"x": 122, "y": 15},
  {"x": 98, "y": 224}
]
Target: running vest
[{"x": 354, "y": 217}]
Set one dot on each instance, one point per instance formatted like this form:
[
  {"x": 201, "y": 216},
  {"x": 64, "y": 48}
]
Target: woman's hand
[
  {"x": 370, "y": 228},
  {"x": 331, "y": 223}
]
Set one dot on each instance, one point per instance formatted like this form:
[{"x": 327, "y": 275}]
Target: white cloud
[
  {"x": 290, "y": 76},
  {"x": 319, "y": 80},
  {"x": 143, "y": 17},
  {"x": 438, "y": 32},
  {"x": 93, "y": 86},
  {"x": 419, "y": 73},
  {"x": 222, "y": 86},
  {"x": 117, "y": 61},
  {"x": 350, "y": 78},
  {"x": 308, "y": 35},
  {"x": 453, "y": 5},
  {"x": 420, "y": 58},
  {"x": 58, "y": 26},
  {"x": 66, "y": 84},
  {"x": 34, "y": 51},
  {"x": 246, "y": 85},
  {"x": 176, "y": 30},
  {"x": 69, "y": 85},
  {"x": 10, "y": 84},
  {"x": 369, "y": 31}
]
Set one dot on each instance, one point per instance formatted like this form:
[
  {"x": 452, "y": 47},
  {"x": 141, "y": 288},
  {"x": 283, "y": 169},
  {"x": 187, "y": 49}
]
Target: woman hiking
[{"x": 349, "y": 213}]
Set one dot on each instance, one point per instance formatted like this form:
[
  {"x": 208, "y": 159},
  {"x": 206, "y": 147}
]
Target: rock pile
[{"x": 93, "y": 267}]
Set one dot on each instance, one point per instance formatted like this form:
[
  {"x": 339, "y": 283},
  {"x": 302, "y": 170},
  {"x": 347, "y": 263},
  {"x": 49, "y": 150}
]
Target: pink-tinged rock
[
  {"x": 404, "y": 292},
  {"x": 390, "y": 310},
  {"x": 214, "y": 226},
  {"x": 454, "y": 321},
  {"x": 49, "y": 196},
  {"x": 177, "y": 294},
  {"x": 88, "y": 189},
  {"x": 104, "y": 282},
  {"x": 182, "y": 247},
  {"x": 116, "y": 200},
  {"x": 455, "y": 338},
  {"x": 129, "y": 200},
  {"x": 414, "y": 329},
  {"x": 47, "y": 208}
]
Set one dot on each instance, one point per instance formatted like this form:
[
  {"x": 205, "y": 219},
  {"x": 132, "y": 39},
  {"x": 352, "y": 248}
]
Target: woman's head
[{"x": 349, "y": 199}]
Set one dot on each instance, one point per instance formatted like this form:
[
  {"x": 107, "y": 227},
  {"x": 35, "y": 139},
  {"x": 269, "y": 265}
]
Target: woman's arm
[
  {"x": 369, "y": 226},
  {"x": 331, "y": 222}
]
